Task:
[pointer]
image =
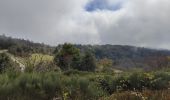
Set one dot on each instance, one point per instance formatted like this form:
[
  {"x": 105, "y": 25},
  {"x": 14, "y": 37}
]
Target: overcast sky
[{"x": 126, "y": 22}]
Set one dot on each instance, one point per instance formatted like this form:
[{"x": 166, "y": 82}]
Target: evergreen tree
[
  {"x": 88, "y": 62},
  {"x": 67, "y": 57}
]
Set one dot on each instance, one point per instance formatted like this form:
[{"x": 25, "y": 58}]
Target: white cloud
[{"x": 138, "y": 22}]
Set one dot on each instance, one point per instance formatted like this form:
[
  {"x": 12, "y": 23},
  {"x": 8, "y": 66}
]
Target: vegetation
[
  {"x": 88, "y": 62},
  {"x": 75, "y": 72},
  {"x": 129, "y": 57},
  {"x": 47, "y": 86},
  {"x": 144, "y": 95},
  {"x": 37, "y": 58},
  {"x": 123, "y": 57},
  {"x": 20, "y": 47},
  {"x": 67, "y": 57},
  {"x": 6, "y": 64},
  {"x": 70, "y": 57},
  {"x": 84, "y": 86}
]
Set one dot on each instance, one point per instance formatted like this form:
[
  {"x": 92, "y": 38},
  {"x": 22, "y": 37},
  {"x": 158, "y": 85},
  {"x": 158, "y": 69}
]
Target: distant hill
[
  {"x": 122, "y": 51},
  {"x": 128, "y": 57},
  {"x": 23, "y": 47},
  {"x": 123, "y": 56}
]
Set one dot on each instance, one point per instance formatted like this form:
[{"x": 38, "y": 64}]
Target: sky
[{"x": 143, "y": 23}]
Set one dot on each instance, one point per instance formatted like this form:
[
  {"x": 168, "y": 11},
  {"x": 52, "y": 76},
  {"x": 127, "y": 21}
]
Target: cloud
[
  {"x": 36, "y": 19},
  {"x": 139, "y": 23},
  {"x": 135, "y": 22}
]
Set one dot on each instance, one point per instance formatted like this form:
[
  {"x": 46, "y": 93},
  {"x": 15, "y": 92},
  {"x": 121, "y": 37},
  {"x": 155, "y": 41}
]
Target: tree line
[{"x": 21, "y": 47}]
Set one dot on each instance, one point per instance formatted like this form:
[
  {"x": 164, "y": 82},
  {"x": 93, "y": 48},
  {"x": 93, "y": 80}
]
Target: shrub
[
  {"x": 143, "y": 95},
  {"x": 161, "y": 81},
  {"x": 6, "y": 64},
  {"x": 47, "y": 86}
]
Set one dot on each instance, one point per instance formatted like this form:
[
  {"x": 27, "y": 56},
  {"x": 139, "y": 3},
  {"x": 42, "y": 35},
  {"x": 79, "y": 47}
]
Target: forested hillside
[
  {"x": 123, "y": 57},
  {"x": 128, "y": 57},
  {"x": 23, "y": 47}
]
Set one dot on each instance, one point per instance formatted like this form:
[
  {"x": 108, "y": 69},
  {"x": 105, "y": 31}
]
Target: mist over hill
[{"x": 123, "y": 56}]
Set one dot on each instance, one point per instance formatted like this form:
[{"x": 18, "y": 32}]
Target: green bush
[
  {"x": 77, "y": 85},
  {"x": 135, "y": 82},
  {"x": 47, "y": 86},
  {"x": 160, "y": 81}
]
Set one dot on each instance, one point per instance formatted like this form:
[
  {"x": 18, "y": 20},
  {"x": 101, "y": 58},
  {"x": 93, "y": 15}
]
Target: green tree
[
  {"x": 5, "y": 62},
  {"x": 67, "y": 57},
  {"x": 88, "y": 62}
]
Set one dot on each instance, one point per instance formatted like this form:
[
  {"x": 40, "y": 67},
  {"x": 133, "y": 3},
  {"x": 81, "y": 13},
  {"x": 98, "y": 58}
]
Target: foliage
[
  {"x": 80, "y": 85},
  {"x": 47, "y": 86},
  {"x": 37, "y": 58},
  {"x": 88, "y": 62},
  {"x": 79, "y": 78},
  {"x": 41, "y": 67},
  {"x": 128, "y": 57},
  {"x": 67, "y": 57},
  {"x": 135, "y": 81},
  {"x": 20, "y": 47},
  {"x": 105, "y": 65},
  {"x": 144, "y": 95},
  {"x": 70, "y": 57},
  {"x": 38, "y": 63},
  {"x": 5, "y": 63},
  {"x": 123, "y": 57}
]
